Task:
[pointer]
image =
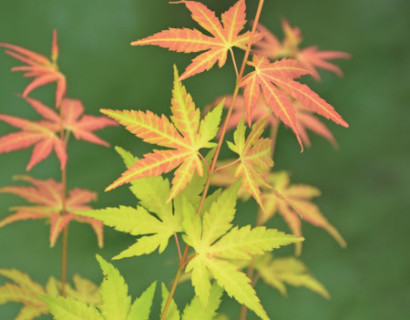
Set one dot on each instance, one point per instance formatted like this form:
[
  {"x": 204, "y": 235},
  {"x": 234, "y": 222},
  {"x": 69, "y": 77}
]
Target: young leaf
[
  {"x": 275, "y": 81},
  {"x": 224, "y": 37},
  {"x": 40, "y": 68},
  {"x": 71, "y": 309},
  {"x": 173, "y": 312},
  {"x": 46, "y": 197},
  {"x": 24, "y": 290},
  {"x": 141, "y": 307},
  {"x": 305, "y": 120},
  {"x": 310, "y": 57},
  {"x": 115, "y": 301},
  {"x": 254, "y": 156},
  {"x": 297, "y": 198},
  {"x": 184, "y": 136},
  {"x": 45, "y": 134},
  {"x": 196, "y": 310},
  {"x": 114, "y": 293},
  {"x": 215, "y": 246},
  {"x": 279, "y": 271}
]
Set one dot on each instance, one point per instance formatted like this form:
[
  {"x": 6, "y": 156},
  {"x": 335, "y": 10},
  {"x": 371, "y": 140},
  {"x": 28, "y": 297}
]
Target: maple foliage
[
  {"x": 311, "y": 57},
  {"x": 24, "y": 290},
  {"x": 305, "y": 119},
  {"x": 47, "y": 199},
  {"x": 254, "y": 157},
  {"x": 45, "y": 134},
  {"x": 296, "y": 207},
  {"x": 288, "y": 270},
  {"x": 184, "y": 135},
  {"x": 115, "y": 301},
  {"x": 217, "y": 243},
  {"x": 37, "y": 66},
  {"x": 276, "y": 81},
  {"x": 224, "y": 37}
]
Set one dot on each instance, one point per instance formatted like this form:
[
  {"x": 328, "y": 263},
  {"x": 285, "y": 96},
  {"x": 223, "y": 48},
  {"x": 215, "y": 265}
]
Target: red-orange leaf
[
  {"x": 185, "y": 135},
  {"x": 44, "y": 134},
  {"x": 311, "y": 57},
  {"x": 46, "y": 197},
  {"x": 40, "y": 68},
  {"x": 224, "y": 36},
  {"x": 36, "y": 133},
  {"x": 305, "y": 120},
  {"x": 275, "y": 81},
  {"x": 297, "y": 206}
]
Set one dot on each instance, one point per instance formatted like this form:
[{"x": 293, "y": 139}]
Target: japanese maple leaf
[
  {"x": 39, "y": 67},
  {"x": 297, "y": 206},
  {"x": 218, "y": 245},
  {"x": 45, "y": 134},
  {"x": 276, "y": 81},
  {"x": 277, "y": 272},
  {"x": 184, "y": 135},
  {"x": 24, "y": 290},
  {"x": 254, "y": 157},
  {"x": 311, "y": 57},
  {"x": 42, "y": 134},
  {"x": 305, "y": 120},
  {"x": 47, "y": 199},
  {"x": 224, "y": 37}
]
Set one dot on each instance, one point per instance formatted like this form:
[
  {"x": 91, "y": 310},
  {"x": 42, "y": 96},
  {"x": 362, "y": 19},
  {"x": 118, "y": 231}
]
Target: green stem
[{"x": 213, "y": 165}]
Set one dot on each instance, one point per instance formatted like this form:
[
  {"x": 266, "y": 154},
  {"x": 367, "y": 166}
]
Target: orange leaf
[
  {"x": 223, "y": 37},
  {"x": 297, "y": 206},
  {"x": 275, "y": 80},
  {"x": 46, "y": 197},
  {"x": 40, "y": 68},
  {"x": 311, "y": 57}
]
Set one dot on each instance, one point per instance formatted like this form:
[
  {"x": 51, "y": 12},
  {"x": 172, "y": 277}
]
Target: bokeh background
[{"x": 365, "y": 184}]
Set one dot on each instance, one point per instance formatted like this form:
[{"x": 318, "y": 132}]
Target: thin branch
[{"x": 234, "y": 63}]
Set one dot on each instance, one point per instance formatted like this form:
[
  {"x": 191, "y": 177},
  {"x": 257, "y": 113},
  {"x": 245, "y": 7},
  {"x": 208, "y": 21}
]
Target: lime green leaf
[
  {"x": 200, "y": 279},
  {"x": 138, "y": 222},
  {"x": 279, "y": 271},
  {"x": 152, "y": 194},
  {"x": 236, "y": 284},
  {"x": 210, "y": 125},
  {"x": 191, "y": 224},
  {"x": 245, "y": 242},
  {"x": 128, "y": 158},
  {"x": 141, "y": 307},
  {"x": 70, "y": 309},
  {"x": 114, "y": 293},
  {"x": 196, "y": 310},
  {"x": 173, "y": 312},
  {"x": 217, "y": 221}
]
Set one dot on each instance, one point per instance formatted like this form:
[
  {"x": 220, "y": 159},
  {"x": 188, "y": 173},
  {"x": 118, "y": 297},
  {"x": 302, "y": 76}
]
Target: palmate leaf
[
  {"x": 115, "y": 301},
  {"x": 153, "y": 219},
  {"x": 276, "y": 81},
  {"x": 310, "y": 57},
  {"x": 46, "y": 197},
  {"x": 224, "y": 36},
  {"x": 216, "y": 248},
  {"x": 37, "y": 66},
  {"x": 305, "y": 119},
  {"x": 280, "y": 271},
  {"x": 195, "y": 309},
  {"x": 24, "y": 290},
  {"x": 254, "y": 157},
  {"x": 184, "y": 137},
  {"x": 296, "y": 207},
  {"x": 45, "y": 134}
]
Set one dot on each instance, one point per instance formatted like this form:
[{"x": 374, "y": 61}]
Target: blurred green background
[{"x": 365, "y": 184}]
